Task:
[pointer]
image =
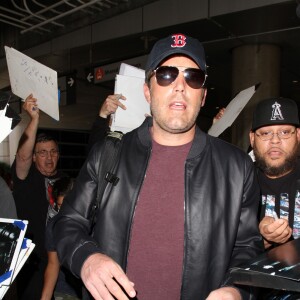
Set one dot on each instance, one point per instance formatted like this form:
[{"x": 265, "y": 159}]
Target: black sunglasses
[{"x": 165, "y": 75}]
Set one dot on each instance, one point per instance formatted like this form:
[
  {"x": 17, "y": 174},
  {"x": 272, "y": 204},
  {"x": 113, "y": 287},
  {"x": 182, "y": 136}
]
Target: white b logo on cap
[{"x": 276, "y": 112}]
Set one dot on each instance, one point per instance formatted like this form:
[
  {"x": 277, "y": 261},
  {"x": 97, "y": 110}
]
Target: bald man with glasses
[{"x": 34, "y": 172}]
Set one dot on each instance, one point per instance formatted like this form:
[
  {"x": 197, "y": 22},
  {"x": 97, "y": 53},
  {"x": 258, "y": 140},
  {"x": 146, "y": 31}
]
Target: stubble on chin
[
  {"x": 272, "y": 170},
  {"x": 174, "y": 124}
]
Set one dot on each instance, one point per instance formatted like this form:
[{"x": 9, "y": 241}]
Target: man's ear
[
  {"x": 298, "y": 134},
  {"x": 203, "y": 97},
  {"x": 34, "y": 157},
  {"x": 251, "y": 138},
  {"x": 147, "y": 92}
]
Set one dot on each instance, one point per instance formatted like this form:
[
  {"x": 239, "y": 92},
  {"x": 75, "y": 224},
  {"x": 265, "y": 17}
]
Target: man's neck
[
  {"x": 172, "y": 139},
  {"x": 280, "y": 175}
]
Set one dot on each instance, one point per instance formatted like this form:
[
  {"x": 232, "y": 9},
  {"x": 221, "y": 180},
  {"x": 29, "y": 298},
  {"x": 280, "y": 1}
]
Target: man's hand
[
  {"x": 219, "y": 115},
  {"x": 103, "y": 277},
  {"x": 225, "y": 293},
  {"x": 274, "y": 231},
  {"x": 31, "y": 107},
  {"x": 110, "y": 105}
]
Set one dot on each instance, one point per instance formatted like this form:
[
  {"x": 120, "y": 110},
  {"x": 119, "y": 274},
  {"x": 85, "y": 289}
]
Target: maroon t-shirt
[{"x": 157, "y": 239}]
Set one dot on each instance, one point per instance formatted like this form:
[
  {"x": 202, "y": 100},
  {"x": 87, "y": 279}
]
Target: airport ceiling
[
  {"x": 35, "y": 21},
  {"x": 40, "y": 20}
]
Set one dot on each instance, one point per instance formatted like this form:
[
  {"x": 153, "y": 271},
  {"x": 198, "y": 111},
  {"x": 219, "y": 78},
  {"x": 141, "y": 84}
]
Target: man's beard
[{"x": 276, "y": 171}]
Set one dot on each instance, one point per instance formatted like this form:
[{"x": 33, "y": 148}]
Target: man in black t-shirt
[
  {"x": 275, "y": 139},
  {"x": 34, "y": 172}
]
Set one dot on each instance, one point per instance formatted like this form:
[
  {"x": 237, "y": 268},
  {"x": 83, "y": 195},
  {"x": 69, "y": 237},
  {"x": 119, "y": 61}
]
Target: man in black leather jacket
[{"x": 184, "y": 209}]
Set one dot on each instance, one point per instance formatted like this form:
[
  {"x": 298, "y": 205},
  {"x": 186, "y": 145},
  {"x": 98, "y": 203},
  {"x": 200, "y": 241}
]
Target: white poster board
[
  {"x": 130, "y": 83},
  {"x": 232, "y": 110},
  {"x": 27, "y": 76}
]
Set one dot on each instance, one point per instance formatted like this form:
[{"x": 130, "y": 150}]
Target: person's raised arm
[
  {"x": 101, "y": 125},
  {"x": 27, "y": 140}
]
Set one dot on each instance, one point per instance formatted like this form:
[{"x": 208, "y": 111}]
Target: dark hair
[
  {"x": 43, "y": 137},
  {"x": 148, "y": 77},
  {"x": 62, "y": 187}
]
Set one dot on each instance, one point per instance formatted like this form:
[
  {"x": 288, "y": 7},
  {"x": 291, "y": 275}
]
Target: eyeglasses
[
  {"x": 44, "y": 153},
  {"x": 165, "y": 75},
  {"x": 282, "y": 134}
]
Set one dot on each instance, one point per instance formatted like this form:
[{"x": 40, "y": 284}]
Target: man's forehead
[{"x": 46, "y": 145}]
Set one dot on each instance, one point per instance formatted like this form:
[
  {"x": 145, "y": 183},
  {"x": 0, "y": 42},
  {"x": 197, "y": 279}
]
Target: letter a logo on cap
[
  {"x": 276, "y": 112},
  {"x": 179, "y": 40}
]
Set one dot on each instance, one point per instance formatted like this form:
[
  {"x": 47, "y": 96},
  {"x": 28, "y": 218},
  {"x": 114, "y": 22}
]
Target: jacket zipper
[{"x": 184, "y": 231}]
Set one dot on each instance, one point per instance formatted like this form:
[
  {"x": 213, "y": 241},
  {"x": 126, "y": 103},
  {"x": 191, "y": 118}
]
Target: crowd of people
[{"x": 187, "y": 206}]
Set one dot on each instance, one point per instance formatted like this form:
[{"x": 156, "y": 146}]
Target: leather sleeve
[
  {"x": 98, "y": 132},
  {"x": 71, "y": 230},
  {"x": 248, "y": 242}
]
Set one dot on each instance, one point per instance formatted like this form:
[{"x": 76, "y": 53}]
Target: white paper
[
  {"x": 232, "y": 110},
  {"x": 23, "y": 256},
  {"x": 9, "y": 119},
  {"x": 29, "y": 76},
  {"x": 5, "y": 124},
  {"x": 12, "y": 232},
  {"x": 3, "y": 112},
  {"x": 129, "y": 70},
  {"x": 136, "y": 104},
  {"x": 23, "y": 259}
]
